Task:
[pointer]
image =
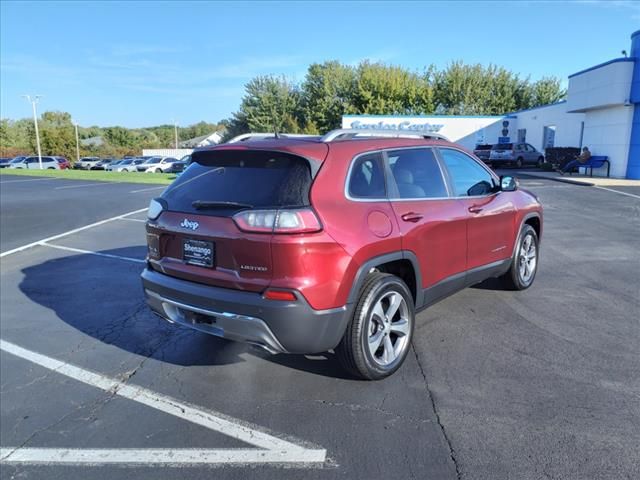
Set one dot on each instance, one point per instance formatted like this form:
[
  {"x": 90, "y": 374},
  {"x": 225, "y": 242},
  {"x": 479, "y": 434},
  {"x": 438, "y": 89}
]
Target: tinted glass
[
  {"x": 468, "y": 177},
  {"x": 502, "y": 146},
  {"x": 367, "y": 177},
  {"x": 483, "y": 147},
  {"x": 416, "y": 173},
  {"x": 261, "y": 179}
]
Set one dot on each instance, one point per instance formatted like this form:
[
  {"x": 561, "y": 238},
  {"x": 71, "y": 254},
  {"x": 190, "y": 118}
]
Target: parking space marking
[
  {"x": 91, "y": 252},
  {"x": 70, "y": 232},
  {"x": 31, "y": 180},
  {"x": 270, "y": 448},
  {"x": 618, "y": 191},
  {"x": 134, "y": 219},
  {"x": 155, "y": 456},
  {"x": 102, "y": 184},
  {"x": 148, "y": 189}
]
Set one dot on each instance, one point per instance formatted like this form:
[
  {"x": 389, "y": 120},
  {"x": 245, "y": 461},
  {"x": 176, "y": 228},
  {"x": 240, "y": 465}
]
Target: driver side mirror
[{"x": 508, "y": 184}]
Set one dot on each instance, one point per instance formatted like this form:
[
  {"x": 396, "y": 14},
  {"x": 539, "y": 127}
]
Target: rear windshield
[
  {"x": 502, "y": 146},
  {"x": 245, "y": 179},
  {"x": 483, "y": 147}
]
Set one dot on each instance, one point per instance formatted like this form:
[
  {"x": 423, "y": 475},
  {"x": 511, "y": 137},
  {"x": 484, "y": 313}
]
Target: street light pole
[
  {"x": 75, "y": 124},
  {"x": 35, "y": 122}
]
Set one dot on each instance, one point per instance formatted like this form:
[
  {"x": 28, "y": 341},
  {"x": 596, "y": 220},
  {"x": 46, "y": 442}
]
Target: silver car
[{"x": 517, "y": 154}]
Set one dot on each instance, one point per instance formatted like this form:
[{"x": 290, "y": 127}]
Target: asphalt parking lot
[{"x": 537, "y": 384}]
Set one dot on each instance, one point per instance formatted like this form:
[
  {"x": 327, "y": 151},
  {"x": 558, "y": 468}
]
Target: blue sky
[{"x": 147, "y": 63}]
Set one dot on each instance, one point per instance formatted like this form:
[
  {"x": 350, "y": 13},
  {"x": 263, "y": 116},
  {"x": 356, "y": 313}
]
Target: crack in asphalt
[{"x": 452, "y": 451}]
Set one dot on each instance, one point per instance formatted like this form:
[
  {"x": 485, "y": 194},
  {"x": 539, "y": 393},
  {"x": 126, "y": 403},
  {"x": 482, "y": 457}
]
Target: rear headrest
[{"x": 402, "y": 175}]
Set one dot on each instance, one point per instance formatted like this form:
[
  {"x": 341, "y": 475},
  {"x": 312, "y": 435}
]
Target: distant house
[
  {"x": 92, "y": 142},
  {"x": 202, "y": 141}
]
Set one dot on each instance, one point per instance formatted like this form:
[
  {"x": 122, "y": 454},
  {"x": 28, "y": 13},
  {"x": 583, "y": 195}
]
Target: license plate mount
[{"x": 198, "y": 252}]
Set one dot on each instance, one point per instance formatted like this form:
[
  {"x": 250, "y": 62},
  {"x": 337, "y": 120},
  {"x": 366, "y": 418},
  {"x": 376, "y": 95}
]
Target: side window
[
  {"x": 417, "y": 173},
  {"x": 468, "y": 177},
  {"x": 367, "y": 177},
  {"x": 530, "y": 148}
]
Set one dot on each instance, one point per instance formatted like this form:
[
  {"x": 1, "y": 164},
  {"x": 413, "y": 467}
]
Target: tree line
[
  {"x": 316, "y": 105},
  {"x": 57, "y": 137},
  {"x": 332, "y": 89}
]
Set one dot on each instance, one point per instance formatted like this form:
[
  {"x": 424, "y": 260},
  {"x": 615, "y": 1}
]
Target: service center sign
[{"x": 398, "y": 124}]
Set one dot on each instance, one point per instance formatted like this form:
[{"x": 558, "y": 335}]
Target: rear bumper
[{"x": 277, "y": 326}]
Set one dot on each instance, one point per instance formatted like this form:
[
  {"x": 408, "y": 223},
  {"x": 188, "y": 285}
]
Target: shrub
[{"x": 560, "y": 156}]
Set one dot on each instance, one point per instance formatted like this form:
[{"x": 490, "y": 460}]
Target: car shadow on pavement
[{"x": 102, "y": 297}]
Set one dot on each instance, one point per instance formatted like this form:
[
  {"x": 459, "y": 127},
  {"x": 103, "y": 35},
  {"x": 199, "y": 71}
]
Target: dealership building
[{"x": 602, "y": 111}]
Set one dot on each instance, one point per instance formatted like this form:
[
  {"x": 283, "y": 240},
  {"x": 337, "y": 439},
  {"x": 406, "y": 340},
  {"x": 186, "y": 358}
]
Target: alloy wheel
[
  {"x": 527, "y": 259},
  {"x": 389, "y": 327}
]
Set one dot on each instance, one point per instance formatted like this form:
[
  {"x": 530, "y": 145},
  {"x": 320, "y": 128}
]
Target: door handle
[
  {"x": 475, "y": 209},
  {"x": 411, "y": 217}
]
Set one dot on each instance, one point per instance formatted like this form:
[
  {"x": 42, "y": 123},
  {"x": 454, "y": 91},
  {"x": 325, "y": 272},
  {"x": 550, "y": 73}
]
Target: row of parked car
[
  {"x": 518, "y": 154},
  {"x": 149, "y": 164},
  {"x": 152, "y": 164}
]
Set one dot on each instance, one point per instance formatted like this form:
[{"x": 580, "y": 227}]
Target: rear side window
[
  {"x": 367, "y": 177},
  {"x": 502, "y": 146},
  {"x": 468, "y": 177},
  {"x": 240, "y": 179},
  {"x": 417, "y": 173}
]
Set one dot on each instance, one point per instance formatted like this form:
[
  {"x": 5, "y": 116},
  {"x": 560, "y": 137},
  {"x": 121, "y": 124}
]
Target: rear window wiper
[{"x": 209, "y": 204}]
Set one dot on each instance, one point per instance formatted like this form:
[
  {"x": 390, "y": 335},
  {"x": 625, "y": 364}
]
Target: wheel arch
[{"x": 402, "y": 263}]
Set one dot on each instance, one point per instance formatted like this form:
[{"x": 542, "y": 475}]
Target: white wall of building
[
  {"x": 567, "y": 125},
  {"x": 606, "y": 85},
  {"x": 466, "y": 131},
  {"x": 607, "y": 131}
]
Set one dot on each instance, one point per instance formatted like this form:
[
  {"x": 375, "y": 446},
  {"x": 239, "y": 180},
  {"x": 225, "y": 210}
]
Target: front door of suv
[
  {"x": 432, "y": 224},
  {"x": 490, "y": 213}
]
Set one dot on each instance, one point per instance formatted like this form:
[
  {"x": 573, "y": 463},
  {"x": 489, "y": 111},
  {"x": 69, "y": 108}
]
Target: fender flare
[
  {"x": 363, "y": 270},
  {"x": 522, "y": 222}
]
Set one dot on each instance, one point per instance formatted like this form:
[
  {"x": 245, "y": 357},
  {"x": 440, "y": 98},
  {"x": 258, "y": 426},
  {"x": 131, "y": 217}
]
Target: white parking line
[
  {"x": 91, "y": 252},
  {"x": 70, "y": 232},
  {"x": 102, "y": 184},
  {"x": 275, "y": 450},
  {"x": 148, "y": 189},
  {"x": 618, "y": 191},
  {"x": 30, "y": 180},
  {"x": 142, "y": 220}
]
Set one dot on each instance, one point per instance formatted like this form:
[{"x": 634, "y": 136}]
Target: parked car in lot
[
  {"x": 517, "y": 154},
  {"x": 4, "y": 162},
  {"x": 176, "y": 167},
  {"x": 334, "y": 242},
  {"x": 16, "y": 160},
  {"x": 102, "y": 164},
  {"x": 112, "y": 165},
  {"x": 483, "y": 152},
  {"x": 63, "y": 162},
  {"x": 86, "y": 163},
  {"x": 157, "y": 164},
  {"x": 129, "y": 165},
  {"x": 48, "y": 163}
]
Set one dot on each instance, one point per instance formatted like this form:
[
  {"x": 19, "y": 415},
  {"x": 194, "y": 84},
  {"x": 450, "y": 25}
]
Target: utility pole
[
  {"x": 175, "y": 132},
  {"x": 33, "y": 101},
  {"x": 75, "y": 124}
]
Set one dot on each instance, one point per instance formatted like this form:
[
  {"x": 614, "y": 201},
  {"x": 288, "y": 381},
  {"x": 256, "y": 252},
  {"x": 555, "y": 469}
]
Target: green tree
[
  {"x": 387, "y": 90},
  {"x": 547, "y": 90},
  {"x": 326, "y": 93}
]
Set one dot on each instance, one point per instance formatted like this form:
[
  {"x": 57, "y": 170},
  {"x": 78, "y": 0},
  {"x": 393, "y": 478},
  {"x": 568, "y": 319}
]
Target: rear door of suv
[
  {"x": 196, "y": 238},
  {"x": 432, "y": 223}
]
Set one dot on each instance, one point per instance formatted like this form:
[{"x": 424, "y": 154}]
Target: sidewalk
[{"x": 579, "y": 179}]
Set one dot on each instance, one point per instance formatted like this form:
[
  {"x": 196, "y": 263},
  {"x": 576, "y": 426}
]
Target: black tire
[
  {"x": 519, "y": 162},
  {"x": 353, "y": 350},
  {"x": 540, "y": 162},
  {"x": 514, "y": 279},
  {"x": 158, "y": 170}
]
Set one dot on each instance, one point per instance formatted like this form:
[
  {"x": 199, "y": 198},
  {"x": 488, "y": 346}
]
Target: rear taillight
[{"x": 278, "y": 221}]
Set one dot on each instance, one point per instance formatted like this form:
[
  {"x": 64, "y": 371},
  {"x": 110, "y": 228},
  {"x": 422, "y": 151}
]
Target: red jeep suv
[{"x": 304, "y": 245}]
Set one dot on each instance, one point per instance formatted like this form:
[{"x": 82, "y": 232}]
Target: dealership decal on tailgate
[{"x": 198, "y": 252}]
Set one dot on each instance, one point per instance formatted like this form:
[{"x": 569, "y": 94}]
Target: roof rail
[
  {"x": 349, "y": 133},
  {"x": 260, "y": 136}
]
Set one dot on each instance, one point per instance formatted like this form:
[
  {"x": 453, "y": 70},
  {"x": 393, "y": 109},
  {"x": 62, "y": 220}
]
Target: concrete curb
[{"x": 569, "y": 180}]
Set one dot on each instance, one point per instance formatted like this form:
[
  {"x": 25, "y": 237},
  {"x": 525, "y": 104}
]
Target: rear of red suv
[{"x": 234, "y": 242}]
